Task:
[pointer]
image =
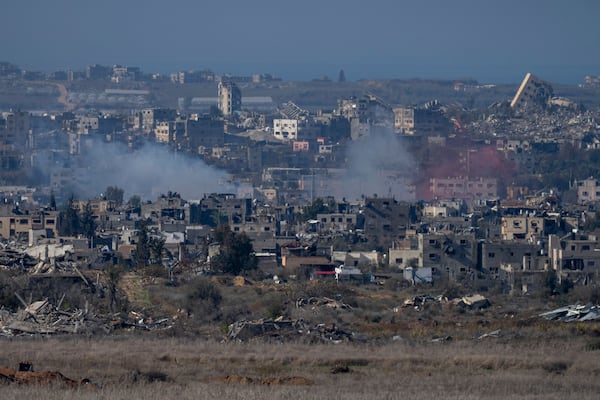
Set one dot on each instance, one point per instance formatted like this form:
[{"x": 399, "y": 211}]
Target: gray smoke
[
  {"x": 147, "y": 172},
  {"x": 379, "y": 164}
]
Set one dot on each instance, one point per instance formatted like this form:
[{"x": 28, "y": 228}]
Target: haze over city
[
  {"x": 487, "y": 41},
  {"x": 309, "y": 200}
]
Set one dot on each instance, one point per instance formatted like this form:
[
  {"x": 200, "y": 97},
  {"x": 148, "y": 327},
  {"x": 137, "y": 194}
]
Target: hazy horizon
[{"x": 491, "y": 42}]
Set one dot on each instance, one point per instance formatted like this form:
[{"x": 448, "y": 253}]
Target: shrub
[{"x": 156, "y": 271}]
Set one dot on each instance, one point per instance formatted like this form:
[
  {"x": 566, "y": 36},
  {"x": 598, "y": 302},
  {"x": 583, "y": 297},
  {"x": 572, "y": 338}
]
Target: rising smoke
[
  {"x": 148, "y": 172},
  {"x": 379, "y": 164}
]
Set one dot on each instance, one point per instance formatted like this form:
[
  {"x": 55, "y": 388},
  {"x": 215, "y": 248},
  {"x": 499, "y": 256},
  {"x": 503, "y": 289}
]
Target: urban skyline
[{"x": 490, "y": 42}]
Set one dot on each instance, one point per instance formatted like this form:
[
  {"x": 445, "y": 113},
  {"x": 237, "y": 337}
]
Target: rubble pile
[
  {"x": 287, "y": 329},
  {"x": 573, "y": 313},
  {"x": 12, "y": 258},
  {"x": 421, "y": 300},
  {"x": 41, "y": 317},
  {"x": 322, "y": 302}
]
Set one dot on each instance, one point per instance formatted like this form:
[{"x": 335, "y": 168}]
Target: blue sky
[{"x": 491, "y": 41}]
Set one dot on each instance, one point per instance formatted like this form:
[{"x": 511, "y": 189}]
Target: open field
[
  {"x": 152, "y": 367},
  {"x": 435, "y": 350}
]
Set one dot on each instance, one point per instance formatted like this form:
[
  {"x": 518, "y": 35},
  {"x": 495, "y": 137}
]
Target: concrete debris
[
  {"x": 41, "y": 317},
  {"x": 421, "y": 300},
  {"x": 12, "y": 258},
  {"x": 288, "y": 329},
  {"x": 572, "y": 313},
  {"x": 493, "y": 334},
  {"x": 322, "y": 302},
  {"x": 473, "y": 302},
  {"x": 441, "y": 339}
]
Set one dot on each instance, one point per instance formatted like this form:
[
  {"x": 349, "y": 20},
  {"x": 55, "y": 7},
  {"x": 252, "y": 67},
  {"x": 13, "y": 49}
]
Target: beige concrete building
[
  {"x": 404, "y": 120},
  {"x": 575, "y": 257},
  {"x": 464, "y": 188},
  {"x": 522, "y": 227},
  {"x": 588, "y": 190},
  {"x": 532, "y": 91},
  {"x": 13, "y": 224},
  {"x": 230, "y": 98}
]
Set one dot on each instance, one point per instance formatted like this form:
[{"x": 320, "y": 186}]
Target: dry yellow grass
[{"x": 143, "y": 367}]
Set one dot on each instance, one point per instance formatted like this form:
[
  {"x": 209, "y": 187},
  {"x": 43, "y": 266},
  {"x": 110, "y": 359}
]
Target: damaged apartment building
[{"x": 444, "y": 255}]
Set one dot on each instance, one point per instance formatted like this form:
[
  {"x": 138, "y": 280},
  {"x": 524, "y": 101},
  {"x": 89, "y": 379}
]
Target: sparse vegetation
[{"x": 194, "y": 368}]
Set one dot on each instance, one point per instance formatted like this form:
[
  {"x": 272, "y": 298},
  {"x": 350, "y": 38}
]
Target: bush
[
  {"x": 156, "y": 271},
  {"x": 201, "y": 297}
]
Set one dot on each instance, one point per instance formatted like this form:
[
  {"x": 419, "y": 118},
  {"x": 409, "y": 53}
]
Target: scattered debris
[
  {"x": 136, "y": 376},
  {"x": 493, "y": 334},
  {"x": 421, "y": 300},
  {"x": 41, "y": 317},
  {"x": 473, "y": 302},
  {"x": 322, "y": 302},
  {"x": 575, "y": 312},
  {"x": 280, "y": 329},
  {"x": 340, "y": 369},
  {"x": 246, "y": 380},
  {"x": 442, "y": 339}
]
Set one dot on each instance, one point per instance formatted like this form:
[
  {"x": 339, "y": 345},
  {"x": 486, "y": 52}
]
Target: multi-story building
[
  {"x": 150, "y": 116},
  {"x": 167, "y": 131},
  {"x": 16, "y": 127},
  {"x": 533, "y": 91},
  {"x": 464, "y": 188},
  {"x": 575, "y": 257},
  {"x": 386, "y": 220},
  {"x": 202, "y": 134},
  {"x": 404, "y": 120},
  {"x": 285, "y": 129},
  {"x": 588, "y": 190},
  {"x": 522, "y": 227},
  {"x": 230, "y": 98},
  {"x": 14, "y": 223}
]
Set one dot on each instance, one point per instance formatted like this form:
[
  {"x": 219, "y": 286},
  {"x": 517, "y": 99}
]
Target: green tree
[
  {"x": 142, "y": 247},
  {"x": 318, "y": 206},
  {"x": 135, "y": 201},
  {"x": 69, "y": 219},
  {"x": 237, "y": 253},
  {"x": 157, "y": 248},
  {"x": 87, "y": 224},
  {"x": 114, "y": 273},
  {"x": 114, "y": 193}
]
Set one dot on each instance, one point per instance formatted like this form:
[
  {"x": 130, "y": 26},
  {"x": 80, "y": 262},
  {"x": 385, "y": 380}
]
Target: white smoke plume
[
  {"x": 379, "y": 164},
  {"x": 147, "y": 172}
]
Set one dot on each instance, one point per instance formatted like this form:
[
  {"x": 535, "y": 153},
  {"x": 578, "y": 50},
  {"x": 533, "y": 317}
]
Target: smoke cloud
[
  {"x": 148, "y": 172},
  {"x": 379, "y": 164}
]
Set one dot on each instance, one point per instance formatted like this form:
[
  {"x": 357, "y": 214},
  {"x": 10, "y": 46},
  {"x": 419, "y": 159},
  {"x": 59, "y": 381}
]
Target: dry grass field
[
  {"x": 153, "y": 367},
  {"x": 398, "y": 354}
]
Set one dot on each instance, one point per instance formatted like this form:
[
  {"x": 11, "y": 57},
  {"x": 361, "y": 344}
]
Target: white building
[{"x": 285, "y": 129}]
